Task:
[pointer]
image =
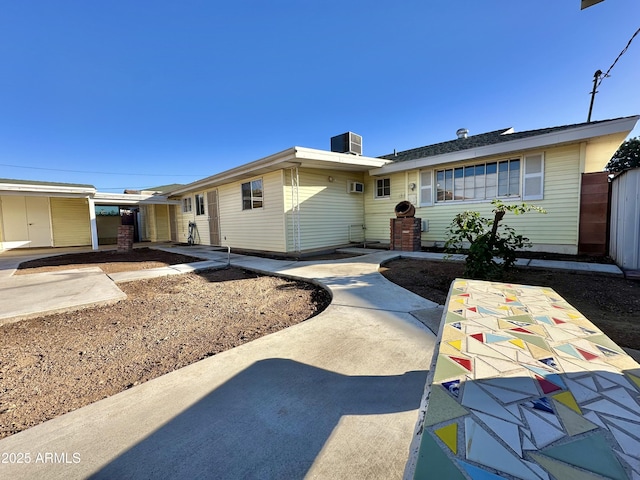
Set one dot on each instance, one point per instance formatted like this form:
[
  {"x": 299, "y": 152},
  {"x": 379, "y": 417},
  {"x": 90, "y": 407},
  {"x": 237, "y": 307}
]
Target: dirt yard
[
  {"x": 58, "y": 363},
  {"x": 613, "y": 304}
]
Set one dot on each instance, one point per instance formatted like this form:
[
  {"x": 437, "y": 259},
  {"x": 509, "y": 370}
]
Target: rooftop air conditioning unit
[
  {"x": 356, "y": 187},
  {"x": 347, "y": 143}
]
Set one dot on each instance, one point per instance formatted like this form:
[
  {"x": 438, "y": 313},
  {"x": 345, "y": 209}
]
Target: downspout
[{"x": 93, "y": 224}]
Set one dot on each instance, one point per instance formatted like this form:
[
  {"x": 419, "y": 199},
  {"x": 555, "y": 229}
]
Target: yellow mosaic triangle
[
  {"x": 518, "y": 343},
  {"x": 566, "y": 398},
  {"x": 457, "y": 344},
  {"x": 449, "y": 435},
  {"x": 537, "y": 329},
  {"x": 447, "y": 349},
  {"x": 537, "y": 352},
  {"x": 504, "y": 325}
]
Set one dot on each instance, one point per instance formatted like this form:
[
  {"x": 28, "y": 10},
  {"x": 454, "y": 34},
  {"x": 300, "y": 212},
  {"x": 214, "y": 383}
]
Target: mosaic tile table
[{"x": 524, "y": 386}]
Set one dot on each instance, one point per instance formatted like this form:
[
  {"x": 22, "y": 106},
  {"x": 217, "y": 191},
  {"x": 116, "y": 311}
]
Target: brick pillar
[
  {"x": 125, "y": 238},
  {"x": 405, "y": 234}
]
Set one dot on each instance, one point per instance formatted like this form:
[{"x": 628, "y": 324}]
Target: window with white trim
[
  {"x": 533, "y": 177},
  {"x": 186, "y": 205},
  {"x": 252, "y": 194},
  {"x": 383, "y": 188},
  {"x": 426, "y": 191},
  {"x": 483, "y": 181},
  {"x": 199, "y": 204}
]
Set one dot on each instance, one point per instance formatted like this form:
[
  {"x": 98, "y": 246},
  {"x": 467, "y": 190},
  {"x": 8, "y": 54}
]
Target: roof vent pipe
[{"x": 462, "y": 133}]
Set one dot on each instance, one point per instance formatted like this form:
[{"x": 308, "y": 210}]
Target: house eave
[
  {"x": 292, "y": 157},
  {"x": 45, "y": 190},
  {"x": 574, "y": 135},
  {"x": 101, "y": 198}
]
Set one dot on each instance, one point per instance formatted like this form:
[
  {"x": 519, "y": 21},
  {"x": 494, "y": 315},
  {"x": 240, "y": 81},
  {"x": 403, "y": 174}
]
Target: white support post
[{"x": 94, "y": 224}]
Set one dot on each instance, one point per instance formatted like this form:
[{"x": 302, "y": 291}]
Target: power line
[
  {"x": 618, "y": 57},
  {"x": 102, "y": 173}
]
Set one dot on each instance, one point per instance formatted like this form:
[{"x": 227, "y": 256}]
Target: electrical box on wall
[
  {"x": 425, "y": 226},
  {"x": 355, "y": 187}
]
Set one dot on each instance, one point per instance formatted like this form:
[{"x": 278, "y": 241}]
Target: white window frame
[
  {"x": 187, "y": 205},
  {"x": 484, "y": 174},
  {"x": 527, "y": 175},
  {"x": 426, "y": 188},
  {"x": 378, "y": 187},
  {"x": 200, "y": 204},
  {"x": 255, "y": 201}
]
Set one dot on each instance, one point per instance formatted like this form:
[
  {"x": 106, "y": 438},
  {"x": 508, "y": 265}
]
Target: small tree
[
  {"x": 626, "y": 157},
  {"x": 488, "y": 240}
]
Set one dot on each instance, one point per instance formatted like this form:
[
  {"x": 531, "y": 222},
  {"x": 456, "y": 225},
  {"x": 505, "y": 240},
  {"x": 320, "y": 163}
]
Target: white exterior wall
[
  {"x": 327, "y": 209},
  {"x": 625, "y": 220},
  {"x": 557, "y": 231}
]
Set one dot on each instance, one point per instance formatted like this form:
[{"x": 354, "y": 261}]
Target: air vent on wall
[{"x": 347, "y": 143}]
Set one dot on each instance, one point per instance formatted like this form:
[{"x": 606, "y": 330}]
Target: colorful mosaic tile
[{"x": 524, "y": 386}]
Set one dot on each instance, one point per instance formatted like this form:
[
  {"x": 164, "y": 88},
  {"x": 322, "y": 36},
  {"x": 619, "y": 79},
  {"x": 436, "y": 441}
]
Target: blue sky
[{"x": 157, "y": 92}]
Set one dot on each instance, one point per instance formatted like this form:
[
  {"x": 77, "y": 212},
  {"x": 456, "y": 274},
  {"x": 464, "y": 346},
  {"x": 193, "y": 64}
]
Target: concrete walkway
[
  {"x": 336, "y": 396},
  {"x": 333, "y": 397}
]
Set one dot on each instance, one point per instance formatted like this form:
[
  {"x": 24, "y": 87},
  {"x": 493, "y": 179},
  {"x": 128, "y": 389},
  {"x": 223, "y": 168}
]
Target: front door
[
  {"x": 27, "y": 220},
  {"x": 214, "y": 218}
]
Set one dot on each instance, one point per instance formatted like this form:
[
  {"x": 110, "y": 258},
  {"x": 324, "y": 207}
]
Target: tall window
[
  {"x": 479, "y": 182},
  {"x": 186, "y": 205},
  {"x": 199, "y": 204},
  {"x": 252, "y": 195},
  {"x": 426, "y": 196},
  {"x": 383, "y": 188}
]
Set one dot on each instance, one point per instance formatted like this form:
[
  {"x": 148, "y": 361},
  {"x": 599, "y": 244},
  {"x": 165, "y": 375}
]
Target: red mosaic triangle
[
  {"x": 464, "y": 295},
  {"x": 585, "y": 354},
  {"x": 465, "y": 362},
  {"x": 473, "y": 309},
  {"x": 478, "y": 336},
  {"x": 558, "y": 321},
  {"x": 522, "y": 330},
  {"x": 546, "y": 385}
]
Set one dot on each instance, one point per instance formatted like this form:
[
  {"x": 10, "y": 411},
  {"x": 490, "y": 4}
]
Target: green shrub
[{"x": 492, "y": 247}]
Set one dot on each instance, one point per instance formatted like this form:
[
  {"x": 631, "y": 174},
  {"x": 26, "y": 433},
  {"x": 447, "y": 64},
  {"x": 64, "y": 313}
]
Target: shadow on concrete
[{"x": 269, "y": 421}]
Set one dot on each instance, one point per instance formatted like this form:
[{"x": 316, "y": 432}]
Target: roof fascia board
[
  {"x": 573, "y": 135},
  {"x": 132, "y": 199},
  {"x": 227, "y": 175},
  {"x": 292, "y": 155},
  {"x": 45, "y": 189},
  {"x": 342, "y": 158}
]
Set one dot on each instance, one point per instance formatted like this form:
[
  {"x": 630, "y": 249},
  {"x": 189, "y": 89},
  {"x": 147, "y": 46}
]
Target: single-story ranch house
[{"x": 302, "y": 200}]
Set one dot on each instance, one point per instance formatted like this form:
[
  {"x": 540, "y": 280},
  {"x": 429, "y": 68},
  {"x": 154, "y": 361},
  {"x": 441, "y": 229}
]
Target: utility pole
[{"x": 596, "y": 77}]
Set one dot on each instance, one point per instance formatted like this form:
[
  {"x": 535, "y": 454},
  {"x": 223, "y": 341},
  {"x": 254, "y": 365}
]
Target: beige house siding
[
  {"x": 378, "y": 211},
  {"x": 558, "y": 228},
  {"x": 327, "y": 209},
  {"x": 257, "y": 229},
  {"x": 163, "y": 231},
  {"x": 201, "y": 221},
  {"x": 599, "y": 151},
  {"x": 70, "y": 222}
]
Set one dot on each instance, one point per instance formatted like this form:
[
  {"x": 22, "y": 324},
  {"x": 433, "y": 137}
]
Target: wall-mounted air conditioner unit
[
  {"x": 347, "y": 143},
  {"x": 356, "y": 187}
]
